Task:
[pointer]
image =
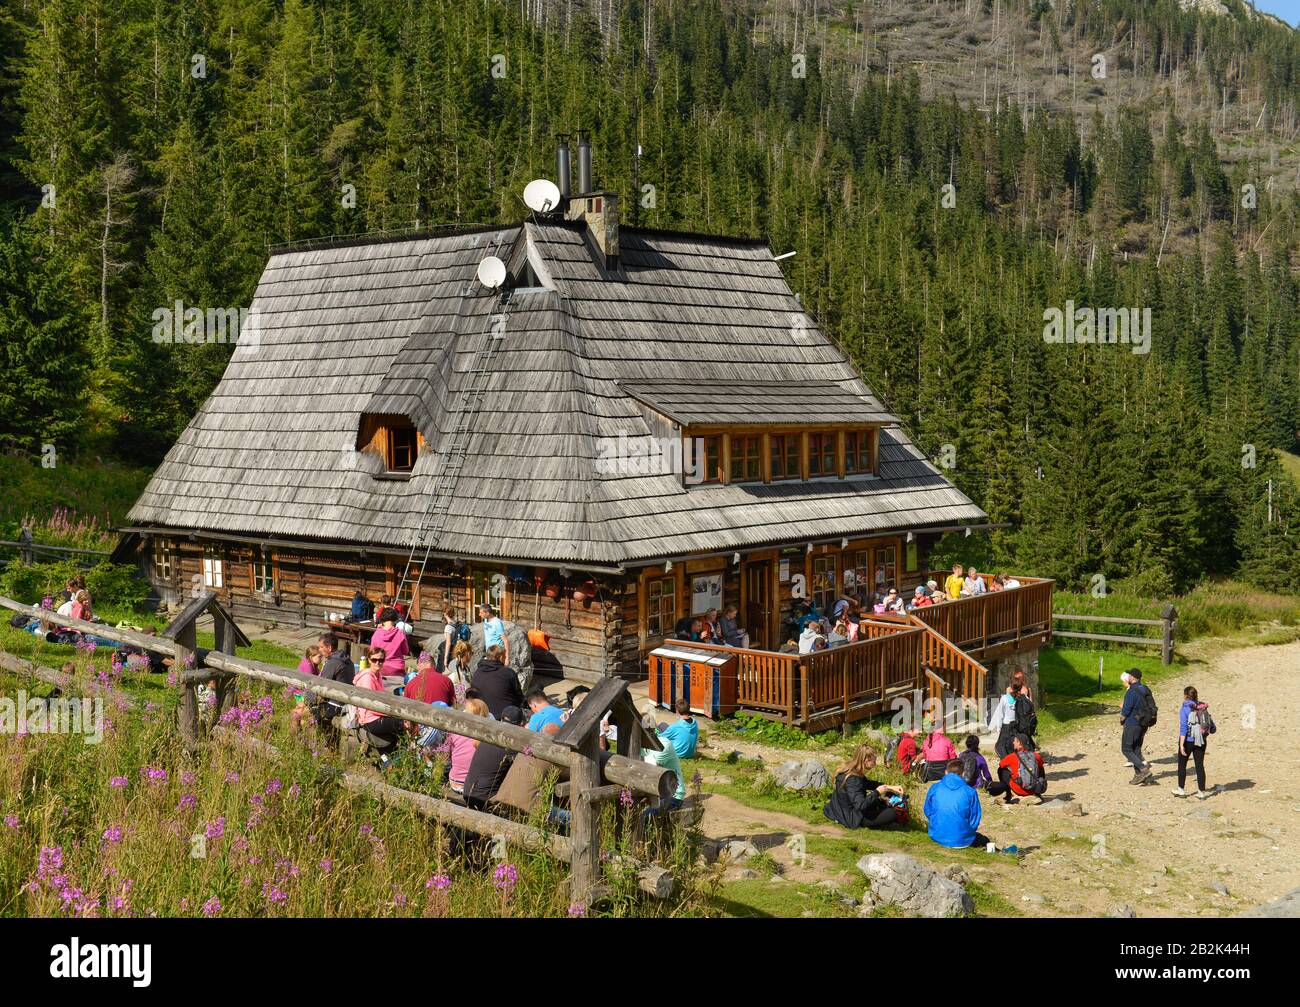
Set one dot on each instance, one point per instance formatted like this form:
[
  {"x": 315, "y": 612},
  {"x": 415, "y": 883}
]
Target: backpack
[
  {"x": 891, "y": 750},
  {"x": 1200, "y": 725},
  {"x": 462, "y": 631},
  {"x": 1026, "y": 717},
  {"x": 1027, "y": 776},
  {"x": 1146, "y": 711},
  {"x": 902, "y": 810},
  {"x": 970, "y": 767}
]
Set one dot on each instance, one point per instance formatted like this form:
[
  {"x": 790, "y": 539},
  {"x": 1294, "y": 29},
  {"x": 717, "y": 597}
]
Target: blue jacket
[
  {"x": 1183, "y": 714},
  {"x": 1132, "y": 699},
  {"x": 953, "y": 811},
  {"x": 684, "y": 736}
]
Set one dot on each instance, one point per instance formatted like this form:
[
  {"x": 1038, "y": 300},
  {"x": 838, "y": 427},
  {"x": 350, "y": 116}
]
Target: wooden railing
[
  {"x": 858, "y": 678},
  {"x": 998, "y": 617},
  {"x": 960, "y": 672},
  {"x": 593, "y": 778}
]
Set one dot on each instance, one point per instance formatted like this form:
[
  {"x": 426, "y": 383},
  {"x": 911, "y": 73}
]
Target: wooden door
[{"x": 757, "y": 614}]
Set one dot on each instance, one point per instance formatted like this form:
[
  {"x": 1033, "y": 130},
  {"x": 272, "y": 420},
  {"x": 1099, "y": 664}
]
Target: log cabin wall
[{"x": 308, "y": 586}]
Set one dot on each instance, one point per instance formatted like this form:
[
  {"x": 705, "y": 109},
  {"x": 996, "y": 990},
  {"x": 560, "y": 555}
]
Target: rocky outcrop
[{"x": 899, "y": 880}]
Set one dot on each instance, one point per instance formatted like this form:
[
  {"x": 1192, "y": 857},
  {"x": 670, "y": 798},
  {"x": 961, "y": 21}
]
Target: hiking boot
[
  {"x": 1143, "y": 776},
  {"x": 1179, "y": 792}
]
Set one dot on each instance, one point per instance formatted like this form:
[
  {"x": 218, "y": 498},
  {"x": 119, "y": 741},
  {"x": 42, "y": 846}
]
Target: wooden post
[
  {"x": 25, "y": 546},
  {"x": 1170, "y": 619},
  {"x": 189, "y": 709},
  {"x": 584, "y": 825}
]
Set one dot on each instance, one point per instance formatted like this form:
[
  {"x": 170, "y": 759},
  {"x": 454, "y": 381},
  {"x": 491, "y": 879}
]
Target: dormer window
[
  {"x": 393, "y": 438},
  {"x": 752, "y": 455}
]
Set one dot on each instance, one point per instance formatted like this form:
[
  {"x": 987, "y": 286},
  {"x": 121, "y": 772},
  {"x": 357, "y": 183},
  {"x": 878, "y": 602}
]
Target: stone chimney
[{"x": 599, "y": 211}]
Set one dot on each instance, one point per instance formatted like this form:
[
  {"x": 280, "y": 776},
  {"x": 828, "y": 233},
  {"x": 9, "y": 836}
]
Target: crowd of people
[
  {"x": 812, "y": 630},
  {"x": 478, "y": 771},
  {"x": 956, "y": 780}
]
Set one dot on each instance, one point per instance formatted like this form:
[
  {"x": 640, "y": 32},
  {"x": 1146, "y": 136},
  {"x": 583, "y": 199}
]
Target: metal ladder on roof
[{"x": 467, "y": 410}]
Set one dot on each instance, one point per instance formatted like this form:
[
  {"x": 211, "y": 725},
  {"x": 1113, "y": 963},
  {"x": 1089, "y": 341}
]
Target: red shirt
[
  {"x": 906, "y": 752},
  {"x": 1012, "y": 762},
  {"x": 431, "y": 687}
]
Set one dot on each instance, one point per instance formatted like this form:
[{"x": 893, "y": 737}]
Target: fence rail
[
  {"x": 593, "y": 779},
  {"x": 1168, "y": 623}
]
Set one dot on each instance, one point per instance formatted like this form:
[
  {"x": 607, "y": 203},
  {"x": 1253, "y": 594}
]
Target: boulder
[
  {"x": 957, "y": 873},
  {"x": 1068, "y": 807},
  {"x": 521, "y": 651},
  {"x": 1122, "y": 911},
  {"x": 1286, "y": 907},
  {"x": 807, "y": 775},
  {"x": 897, "y": 879},
  {"x": 739, "y": 849}
]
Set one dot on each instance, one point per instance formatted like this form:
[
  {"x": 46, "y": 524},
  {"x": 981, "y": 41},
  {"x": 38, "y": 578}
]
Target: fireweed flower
[
  {"x": 215, "y": 830},
  {"x": 504, "y": 877},
  {"x": 232, "y": 777},
  {"x": 625, "y": 797},
  {"x": 294, "y": 790},
  {"x": 577, "y": 909},
  {"x": 212, "y": 907},
  {"x": 117, "y": 781},
  {"x": 11, "y": 821},
  {"x": 112, "y": 835},
  {"x": 273, "y": 786},
  {"x": 326, "y": 866},
  {"x": 187, "y": 778},
  {"x": 187, "y": 802},
  {"x": 438, "y": 883}
]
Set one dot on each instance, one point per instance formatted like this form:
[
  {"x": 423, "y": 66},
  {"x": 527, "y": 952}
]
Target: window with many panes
[
  {"x": 661, "y": 606},
  {"x": 403, "y": 448},
  {"x": 746, "y": 458},
  {"x": 857, "y": 453},
  {"x": 785, "y": 456},
  {"x": 212, "y": 574},
  {"x": 708, "y": 455},
  {"x": 825, "y": 582},
  {"x": 263, "y": 572},
  {"x": 162, "y": 560},
  {"x": 886, "y": 567},
  {"x": 823, "y": 447}
]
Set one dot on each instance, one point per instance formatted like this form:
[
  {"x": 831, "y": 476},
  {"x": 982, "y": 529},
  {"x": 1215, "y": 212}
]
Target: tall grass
[
  {"x": 132, "y": 826},
  {"x": 81, "y": 488},
  {"x": 1212, "y": 608}
]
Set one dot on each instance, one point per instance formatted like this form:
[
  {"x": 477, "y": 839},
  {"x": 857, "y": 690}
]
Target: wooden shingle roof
[{"x": 697, "y": 328}]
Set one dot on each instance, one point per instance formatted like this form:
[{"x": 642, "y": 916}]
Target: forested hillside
[{"x": 152, "y": 151}]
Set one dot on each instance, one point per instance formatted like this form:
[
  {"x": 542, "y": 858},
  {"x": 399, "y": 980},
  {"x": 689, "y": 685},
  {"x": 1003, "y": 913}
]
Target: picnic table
[{"x": 351, "y": 632}]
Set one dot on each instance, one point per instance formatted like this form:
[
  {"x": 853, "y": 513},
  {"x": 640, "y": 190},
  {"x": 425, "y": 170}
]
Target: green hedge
[{"x": 109, "y": 584}]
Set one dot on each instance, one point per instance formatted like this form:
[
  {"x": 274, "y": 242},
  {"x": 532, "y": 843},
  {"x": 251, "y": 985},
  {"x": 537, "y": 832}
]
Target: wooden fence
[
  {"x": 1168, "y": 624},
  {"x": 893, "y": 656},
  {"x": 594, "y": 777},
  {"x": 33, "y": 552},
  {"x": 995, "y": 621}
]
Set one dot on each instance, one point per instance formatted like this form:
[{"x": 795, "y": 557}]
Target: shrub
[{"x": 109, "y": 584}]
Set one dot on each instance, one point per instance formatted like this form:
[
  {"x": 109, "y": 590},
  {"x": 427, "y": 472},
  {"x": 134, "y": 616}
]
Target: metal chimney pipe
[
  {"x": 562, "y": 166},
  {"x": 584, "y": 165}
]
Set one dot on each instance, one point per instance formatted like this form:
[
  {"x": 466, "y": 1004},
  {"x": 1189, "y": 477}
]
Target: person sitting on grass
[
  {"x": 380, "y": 730},
  {"x": 952, "y": 811},
  {"x": 907, "y": 750},
  {"x": 666, "y": 758},
  {"x": 685, "y": 734},
  {"x": 857, "y": 801},
  {"x": 975, "y": 771},
  {"x": 937, "y": 750},
  {"x": 1020, "y": 773},
  {"x": 542, "y": 710}
]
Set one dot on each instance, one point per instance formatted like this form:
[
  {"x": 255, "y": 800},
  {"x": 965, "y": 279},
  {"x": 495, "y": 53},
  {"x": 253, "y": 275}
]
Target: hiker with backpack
[
  {"x": 1195, "y": 725},
  {"x": 1137, "y": 715},
  {"x": 975, "y": 771},
  {"x": 1020, "y": 773},
  {"x": 453, "y": 631},
  {"x": 1022, "y": 721}
]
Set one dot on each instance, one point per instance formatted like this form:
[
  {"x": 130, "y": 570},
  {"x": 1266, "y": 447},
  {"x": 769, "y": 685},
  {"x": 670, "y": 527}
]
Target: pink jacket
[
  {"x": 393, "y": 643},
  {"x": 938, "y": 747},
  {"x": 368, "y": 679},
  {"x": 462, "y": 752}
]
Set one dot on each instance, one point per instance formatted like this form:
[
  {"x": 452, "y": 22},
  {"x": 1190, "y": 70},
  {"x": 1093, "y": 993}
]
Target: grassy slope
[{"x": 105, "y": 492}]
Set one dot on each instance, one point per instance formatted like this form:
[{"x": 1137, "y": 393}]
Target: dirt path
[{"x": 1141, "y": 846}]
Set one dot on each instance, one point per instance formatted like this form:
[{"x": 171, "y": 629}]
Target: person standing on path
[
  {"x": 1195, "y": 725},
  {"x": 1137, "y": 715}
]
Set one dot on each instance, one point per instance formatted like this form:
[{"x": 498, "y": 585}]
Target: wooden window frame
[
  {"x": 164, "y": 558},
  {"x": 745, "y": 439},
  {"x": 782, "y": 439},
  {"x": 667, "y": 589},
  {"x": 214, "y": 576},
  {"x": 817, "y": 441},
  {"x": 264, "y": 559}
]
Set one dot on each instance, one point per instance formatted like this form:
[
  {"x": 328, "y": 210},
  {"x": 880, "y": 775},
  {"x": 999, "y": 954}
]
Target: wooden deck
[{"x": 934, "y": 651}]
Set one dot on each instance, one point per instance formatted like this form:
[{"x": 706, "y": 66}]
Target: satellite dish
[
  {"x": 541, "y": 194},
  {"x": 492, "y": 272}
]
